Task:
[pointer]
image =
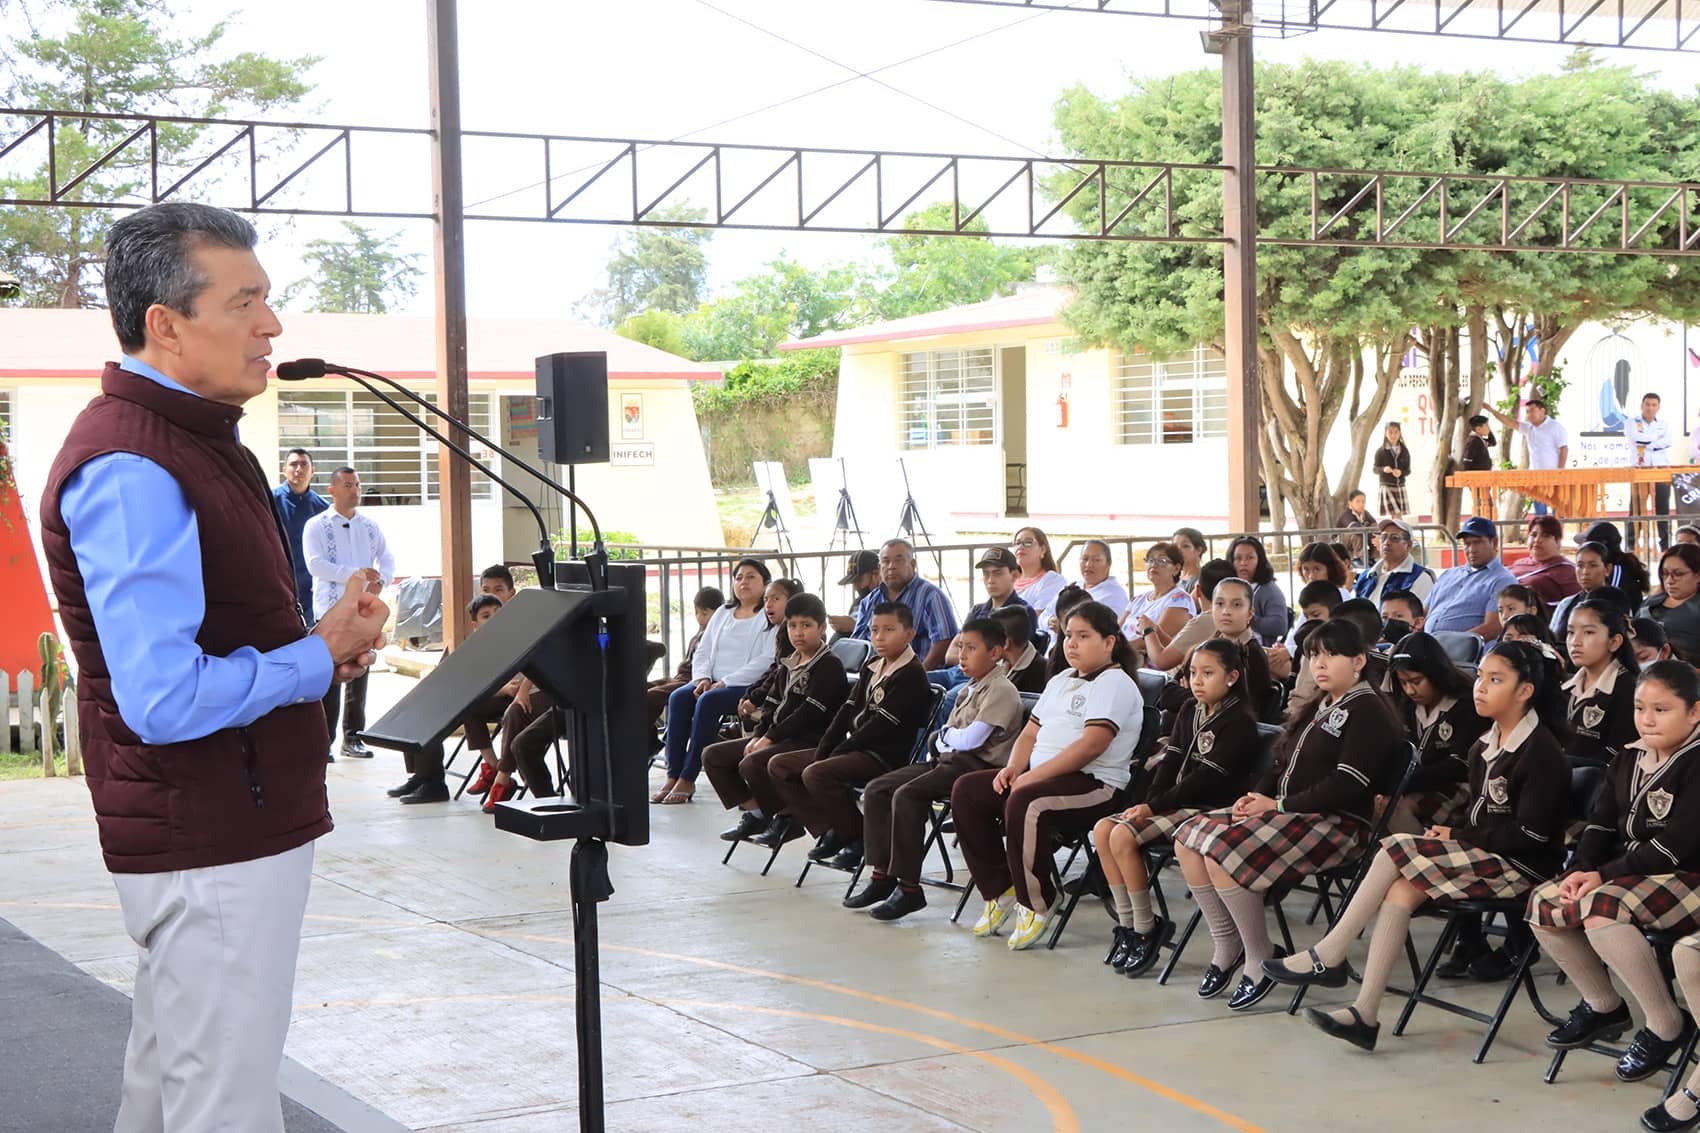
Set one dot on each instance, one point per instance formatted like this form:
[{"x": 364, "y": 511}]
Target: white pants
[{"x": 214, "y": 991}]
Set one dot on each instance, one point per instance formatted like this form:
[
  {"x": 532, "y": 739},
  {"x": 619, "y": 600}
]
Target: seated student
[
  {"x": 475, "y": 725},
  {"x": 754, "y": 701},
  {"x": 797, "y": 706},
  {"x": 1251, "y": 562},
  {"x": 1682, "y": 1109},
  {"x": 703, "y": 605},
  {"x": 1401, "y": 613},
  {"x": 1068, "y": 599},
  {"x": 1361, "y": 613},
  {"x": 1316, "y": 603},
  {"x": 1602, "y": 693},
  {"x": 1209, "y": 760},
  {"x": 1313, "y": 811},
  {"x": 1687, "y": 533},
  {"x": 1231, "y": 612},
  {"x": 1320, "y": 562},
  {"x": 1066, "y": 771},
  {"x": 1432, "y": 698},
  {"x": 1529, "y": 628},
  {"x": 1637, "y": 867},
  {"x": 1344, "y": 554},
  {"x": 977, "y": 736},
  {"x": 1650, "y": 641},
  {"x": 1518, "y": 599},
  {"x": 1509, "y": 839},
  {"x": 1023, "y": 664},
  {"x": 1591, "y": 572},
  {"x": 872, "y": 733},
  {"x": 998, "y": 570}
]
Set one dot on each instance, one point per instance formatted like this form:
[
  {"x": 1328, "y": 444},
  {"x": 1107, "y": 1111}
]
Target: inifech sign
[{"x": 631, "y": 454}]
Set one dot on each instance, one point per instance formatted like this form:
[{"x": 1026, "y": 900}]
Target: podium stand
[{"x": 586, "y": 649}]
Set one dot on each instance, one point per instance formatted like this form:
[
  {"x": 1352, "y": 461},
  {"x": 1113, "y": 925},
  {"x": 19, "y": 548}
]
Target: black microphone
[{"x": 596, "y": 562}]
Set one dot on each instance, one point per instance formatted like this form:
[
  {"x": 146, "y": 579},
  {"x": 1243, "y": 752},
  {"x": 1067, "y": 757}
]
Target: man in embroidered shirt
[
  {"x": 340, "y": 544},
  {"x": 1649, "y": 447},
  {"x": 297, "y": 502},
  {"x": 935, "y": 621}
]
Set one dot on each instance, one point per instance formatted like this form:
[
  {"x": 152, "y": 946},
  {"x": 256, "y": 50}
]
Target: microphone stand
[{"x": 596, "y": 562}]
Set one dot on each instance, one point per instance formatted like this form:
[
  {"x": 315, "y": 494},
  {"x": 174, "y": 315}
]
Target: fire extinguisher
[{"x": 1062, "y": 410}]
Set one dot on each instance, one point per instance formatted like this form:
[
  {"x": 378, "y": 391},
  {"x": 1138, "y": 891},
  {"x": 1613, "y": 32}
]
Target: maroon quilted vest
[{"x": 240, "y": 793}]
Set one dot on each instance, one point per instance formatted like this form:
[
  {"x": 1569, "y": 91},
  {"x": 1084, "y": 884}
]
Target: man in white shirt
[
  {"x": 1547, "y": 440},
  {"x": 1649, "y": 447},
  {"x": 340, "y": 545}
]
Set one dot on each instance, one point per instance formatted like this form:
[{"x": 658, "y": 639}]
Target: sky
[{"x": 985, "y": 82}]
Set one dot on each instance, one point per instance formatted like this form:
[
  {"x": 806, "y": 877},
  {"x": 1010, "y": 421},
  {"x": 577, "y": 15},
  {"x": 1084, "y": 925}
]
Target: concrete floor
[{"x": 436, "y": 984}]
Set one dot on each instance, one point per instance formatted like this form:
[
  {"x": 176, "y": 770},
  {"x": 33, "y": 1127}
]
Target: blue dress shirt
[
  {"x": 934, "y": 618},
  {"x": 1463, "y": 596},
  {"x": 139, "y": 550},
  {"x": 297, "y": 508}
]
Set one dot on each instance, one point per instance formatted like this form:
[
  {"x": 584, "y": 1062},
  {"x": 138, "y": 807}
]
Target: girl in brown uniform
[{"x": 1602, "y": 693}]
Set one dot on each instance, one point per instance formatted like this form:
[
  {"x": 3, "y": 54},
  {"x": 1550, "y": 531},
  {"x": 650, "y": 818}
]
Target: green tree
[
  {"x": 662, "y": 267},
  {"x": 930, "y": 273},
  {"x": 789, "y": 300},
  {"x": 663, "y": 330},
  {"x": 125, "y": 57},
  {"x": 363, "y": 274}
]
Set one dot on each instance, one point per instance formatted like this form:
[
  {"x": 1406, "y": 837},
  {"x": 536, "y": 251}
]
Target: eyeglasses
[
  {"x": 1158, "y": 561},
  {"x": 1392, "y": 537},
  {"x": 1023, "y": 545}
]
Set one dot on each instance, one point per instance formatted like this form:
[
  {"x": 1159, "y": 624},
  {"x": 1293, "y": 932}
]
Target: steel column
[
  {"x": 1239, "y": 268},
  {"x": 454, "y": 479}
]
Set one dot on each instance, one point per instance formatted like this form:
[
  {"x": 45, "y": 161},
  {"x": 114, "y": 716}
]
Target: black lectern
[{"x": 586, "y": 649}]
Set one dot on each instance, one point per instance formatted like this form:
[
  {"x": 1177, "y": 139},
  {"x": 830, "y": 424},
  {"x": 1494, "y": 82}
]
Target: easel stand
[
  {"x": 909, "y": 519},
  {"x": 844, "y": 523},
  {"x": 771, "y": 518}
]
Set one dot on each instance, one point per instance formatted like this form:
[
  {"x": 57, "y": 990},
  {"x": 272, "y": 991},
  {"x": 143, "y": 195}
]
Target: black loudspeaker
[{"x": 572, "y": 407}]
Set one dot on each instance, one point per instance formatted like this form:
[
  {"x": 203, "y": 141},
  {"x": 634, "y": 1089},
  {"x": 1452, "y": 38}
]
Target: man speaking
[{"x": 203, "y": 736}]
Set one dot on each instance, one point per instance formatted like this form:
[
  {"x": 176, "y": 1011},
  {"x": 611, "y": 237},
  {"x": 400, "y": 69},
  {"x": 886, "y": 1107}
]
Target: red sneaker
[
  {"x": 486, "y": 776},
  {"x": 498, "y": 792}
]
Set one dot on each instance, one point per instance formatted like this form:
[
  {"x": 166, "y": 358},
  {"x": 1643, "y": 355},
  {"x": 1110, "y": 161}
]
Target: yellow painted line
[{"x": 1063, "y": 1119}]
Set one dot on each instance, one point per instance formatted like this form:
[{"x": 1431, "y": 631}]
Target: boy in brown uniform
[
  {"x": 977, "y": 737},
  {"x": 873, "y": 733}
]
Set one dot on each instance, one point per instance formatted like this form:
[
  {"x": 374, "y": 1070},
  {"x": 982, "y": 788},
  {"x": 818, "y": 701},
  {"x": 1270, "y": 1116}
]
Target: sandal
[
  {"x": 683, "y": 793},
  {"x": 666, "y": 789}
]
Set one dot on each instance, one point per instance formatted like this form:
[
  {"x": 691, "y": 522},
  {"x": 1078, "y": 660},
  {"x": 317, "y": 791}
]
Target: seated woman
[
  {"x": 1677, "y": 604},
  {"x": 1321, "y": 561},
  {"x": 1066, "y": 771},
  {"x": 1433, "y": 700},
  {"x": 1510, "y": 838},
  {"x": 1209, "y": 760},
  {"x": 1636, "y": 868},
  {"x": 1157, "y": 615},
  {"x": 1039, "y": 580},
  {"x": 703, "y": 605},
  {"x": 1269, "y": 614},
  {"x": 1312, "y": 812},
  {"x": 799, "y": 699},
  {"x": 1098, "y": 579},
  {"x": 1544, "y": 569},
  {"x": 1200, "y": 628},
  {"x": 736, "y": 648},
  {"x": 1602, "y": 693},
  {"x": 1590, "y": 573}
]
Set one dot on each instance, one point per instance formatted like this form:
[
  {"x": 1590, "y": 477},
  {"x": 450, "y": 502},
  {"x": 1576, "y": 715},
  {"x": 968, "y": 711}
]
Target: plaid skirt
[
  {"x": 1393, "y": 500},
  {"x": 1158, "y": 826},
  {"x": 1667, "y": 902},
  {"x": 1436, "y": 808},
  {"x": 1274, "y": 850},
  {"x": 1445, "y": 870}
]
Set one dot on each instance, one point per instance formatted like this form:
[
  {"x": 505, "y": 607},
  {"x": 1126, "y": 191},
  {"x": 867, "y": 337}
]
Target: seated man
[
  {"x": 929, "y": 610},
  {"x": 861, "y": 574},
  {"x": 475, "y": 725},
  {"x": 998, "y": 572},
  {"x": 1465, "y": 598},
  {"x": 808, "y": 689},
  {"x": 874, "y": 732},
  {"x": 977, "y": 737},
  {"x": 1397, "y": 569}
]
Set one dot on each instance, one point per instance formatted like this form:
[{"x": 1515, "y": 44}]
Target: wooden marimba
[{"x": 1573, "y": 493}]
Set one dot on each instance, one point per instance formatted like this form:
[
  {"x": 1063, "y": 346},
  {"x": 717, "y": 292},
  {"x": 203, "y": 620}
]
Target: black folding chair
[
  {"x": 917, "y": 754},
  {"x": 852, "y": 653},
  {"x": 1662, "y": 944},
  {"x": 1584, "y": 785}
]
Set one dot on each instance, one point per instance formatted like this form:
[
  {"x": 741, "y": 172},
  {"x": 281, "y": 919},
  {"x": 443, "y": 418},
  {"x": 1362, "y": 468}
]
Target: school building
[
  {"x": 999, "y": 401},
  {"x": 656, "y": 484}
]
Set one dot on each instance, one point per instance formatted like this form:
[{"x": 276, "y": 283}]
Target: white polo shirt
[
  {"x": 1544, "y": 441},
  {"x": 1070, "y": 702}
]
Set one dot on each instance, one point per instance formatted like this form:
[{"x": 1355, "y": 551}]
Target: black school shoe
[
  {"x": 826, "y": 846},
  {"x": 1319, "y": 974},
  {"x": 1458, "y": 965},
  {"x": 1493, "y": 966},
  {"x": 413, "y": 783},
  {"x": 849, "y": 859},
  {"x": 430, "y": 791},
  {"x": 778, "y": 832},
  {"x": 1586, "y": 1026},
  {"x": 1215, "y": 980},
  {"x": 1659, "y": 1120},
  {"x": 1648, "y": 1053},
  {"x": 1359, "y": 1033},
  {"x": 1117, "y": 954},
  {"x": 749, "y": 825},
  {"x": 1250, "y": 993},
  {"x": 1145, "y": 948},
  {"x": 900, "y": 904},
  {"x": 876, "y": 890}
]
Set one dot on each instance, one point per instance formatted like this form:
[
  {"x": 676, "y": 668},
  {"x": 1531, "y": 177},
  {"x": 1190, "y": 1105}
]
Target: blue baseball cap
[{"x": 1476, "y": 525}]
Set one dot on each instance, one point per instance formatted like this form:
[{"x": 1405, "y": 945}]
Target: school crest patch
[
  {"x": 1206, "y": 741},
  {"x": 1077, "y": 702},
  {"x": 879, "y": 695},
  {"x": 1445, "y": 731},
  {"x": 1336, "y": 721},
  {"x": 1499, "y": 790},
  {"x": 1591, "y": 717},
  {"x": 1658, "y": 804}
]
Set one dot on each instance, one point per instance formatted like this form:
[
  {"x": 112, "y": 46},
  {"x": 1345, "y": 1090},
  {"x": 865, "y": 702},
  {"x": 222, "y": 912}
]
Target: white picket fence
[{"x": 28, "y": 710}]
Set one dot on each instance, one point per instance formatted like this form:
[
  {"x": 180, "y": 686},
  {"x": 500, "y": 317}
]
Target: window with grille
[
  {"x": 397, "y": 463},
  {"x": 948, "y": 397},
  {"x": 1171, "y": 400},
  {"x": 6, "y": 416}
]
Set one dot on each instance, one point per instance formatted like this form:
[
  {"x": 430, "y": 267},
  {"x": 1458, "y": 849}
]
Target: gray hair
[
  {"x": 148, "y": 261},
  {"x": 904, "y": 543}
]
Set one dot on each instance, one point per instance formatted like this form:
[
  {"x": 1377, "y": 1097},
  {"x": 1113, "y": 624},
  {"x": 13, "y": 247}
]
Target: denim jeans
[{"x": 693, "y": 722}]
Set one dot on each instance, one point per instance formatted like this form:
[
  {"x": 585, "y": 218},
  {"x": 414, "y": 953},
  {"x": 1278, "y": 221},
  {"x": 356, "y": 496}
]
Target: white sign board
[{"x": 770, "y": 478}]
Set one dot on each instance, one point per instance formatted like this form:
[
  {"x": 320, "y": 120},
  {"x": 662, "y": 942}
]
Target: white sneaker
[
  {"x": 995, "y": 913},
  {"x": 1029, "y": 928}
]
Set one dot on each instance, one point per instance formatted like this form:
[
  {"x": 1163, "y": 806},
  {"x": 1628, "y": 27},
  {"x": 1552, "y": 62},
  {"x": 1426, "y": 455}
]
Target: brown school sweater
[
  {"x": 1517, "y": 798},
  {"x": 886, "y": 708},
  {"x": 802, "y": 698},
  {"x": 1443, "y": 744},
  {"x": 1602, "y": 723},
  {"x": 1208, "y": 761},
  {"x": 1647, "y": 818},
  {"x": 1342, "y": 757},
  {"x": 1028, "y": 672}
]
